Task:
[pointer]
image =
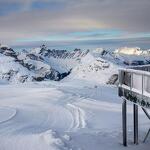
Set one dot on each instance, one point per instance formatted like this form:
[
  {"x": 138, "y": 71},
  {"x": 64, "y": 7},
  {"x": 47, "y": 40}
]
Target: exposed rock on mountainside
[
  {"x": 113, "y": 79},
  {"x": 77, "y": 53}
]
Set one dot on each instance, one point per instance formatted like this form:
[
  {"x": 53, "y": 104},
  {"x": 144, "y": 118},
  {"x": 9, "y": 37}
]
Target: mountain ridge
[{"x": 41, "y": 64}]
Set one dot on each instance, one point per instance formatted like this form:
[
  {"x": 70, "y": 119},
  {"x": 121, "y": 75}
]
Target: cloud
[
  {"x": 29, "y": 20},
  {"x": 88, "y": 44}
]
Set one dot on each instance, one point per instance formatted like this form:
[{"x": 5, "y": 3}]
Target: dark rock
[
  {"x": 38, "y": 79},
  {"x": 113, "y": 79},
  {"x": 23, "y": 79}
]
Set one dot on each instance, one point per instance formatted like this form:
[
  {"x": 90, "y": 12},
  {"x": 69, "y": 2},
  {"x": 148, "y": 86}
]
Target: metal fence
[{"x": 134, "y": 85}]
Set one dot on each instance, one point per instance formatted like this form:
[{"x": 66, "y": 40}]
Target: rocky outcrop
[
  {"x": 113, "y": 79},
  {"x": 45, "y": 52},
  {"x": 8, "y": 52}
]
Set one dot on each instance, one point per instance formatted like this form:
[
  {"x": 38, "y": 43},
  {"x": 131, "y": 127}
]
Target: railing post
[
  {"x": 135, "y": 116},
  {"x": 131, "y": 84},
  {"x": 124, "y": 122},
  {"x": 142, "y": 85},
  {"x": 120, "y": 77}
]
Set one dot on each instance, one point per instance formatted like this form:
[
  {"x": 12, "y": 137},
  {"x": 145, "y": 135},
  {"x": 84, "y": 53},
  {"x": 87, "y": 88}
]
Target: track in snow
[
  {"x": 78, "y": 117},
  {"x": 6, "y": 113},
  {"x": 38, "y": 111}
]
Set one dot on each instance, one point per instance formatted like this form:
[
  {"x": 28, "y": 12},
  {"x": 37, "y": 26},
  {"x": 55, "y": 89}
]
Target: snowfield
[
  {"x": 66, "y": 115},
  {"x": 72, "y": 108}
]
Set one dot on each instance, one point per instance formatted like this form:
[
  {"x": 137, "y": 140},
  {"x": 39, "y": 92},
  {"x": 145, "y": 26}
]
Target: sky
[{"x": 69, "y": 24}]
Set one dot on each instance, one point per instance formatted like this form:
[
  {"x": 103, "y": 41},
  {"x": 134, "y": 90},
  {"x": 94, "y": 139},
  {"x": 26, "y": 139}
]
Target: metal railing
[
  {"x": 142, "y": 67},
  {"x": 134, "y": 85}
]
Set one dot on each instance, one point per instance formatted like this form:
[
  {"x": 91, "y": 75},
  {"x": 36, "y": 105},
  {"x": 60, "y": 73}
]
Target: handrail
[
  {"x": 141, "y": 66},
  {"x": 134, "y": 86},
  {"x": 140, "y": 72}
]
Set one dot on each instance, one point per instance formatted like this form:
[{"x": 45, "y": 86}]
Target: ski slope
[{"x": 66, "y": 115}]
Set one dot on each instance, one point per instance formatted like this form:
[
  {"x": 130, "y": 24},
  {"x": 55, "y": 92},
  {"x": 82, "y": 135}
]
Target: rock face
[
  {"x": 8, "y": 52},
  {"x": 77, "y": 53}
]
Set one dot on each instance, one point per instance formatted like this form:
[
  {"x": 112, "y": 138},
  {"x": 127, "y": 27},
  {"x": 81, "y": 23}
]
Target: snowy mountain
[
  {"x": 44, "y": 64},
  {"x": 38, "y": 64},
  {"x": 24, "y": 66},
  {"x": 94, "y": 69},
  {"x": 127, "y": 56},
  {"x": 61, "y": 60}
]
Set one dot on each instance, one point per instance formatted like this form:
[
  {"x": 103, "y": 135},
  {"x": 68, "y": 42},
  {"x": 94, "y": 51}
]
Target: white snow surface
[
  {"x": 62, "y": 65},
  {"x": 79, "y": 112},
  {"x": 93, "y": 69},
  {"x": 67, "y": 115}
]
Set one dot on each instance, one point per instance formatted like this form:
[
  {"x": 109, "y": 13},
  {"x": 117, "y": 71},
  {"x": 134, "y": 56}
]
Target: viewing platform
[{"x": 134, "y": 86}]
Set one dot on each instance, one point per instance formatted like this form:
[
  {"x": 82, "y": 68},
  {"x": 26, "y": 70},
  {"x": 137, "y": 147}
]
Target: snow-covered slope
[
  {"x": 76, "y": 115},
  {"x": 94, "y": 69},
  {"x": 12, "y": 71},
  {"x": 60, "y": 60}
]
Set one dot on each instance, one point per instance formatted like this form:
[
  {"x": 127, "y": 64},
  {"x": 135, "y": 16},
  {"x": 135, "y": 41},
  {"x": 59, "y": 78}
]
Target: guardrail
[{"x": 134, "y": 85}]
